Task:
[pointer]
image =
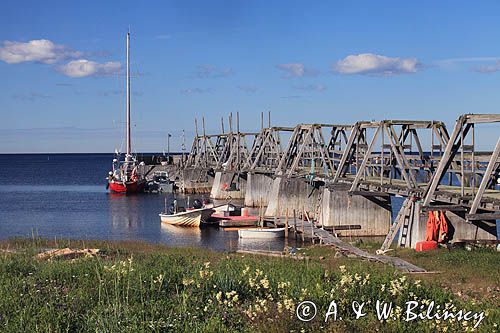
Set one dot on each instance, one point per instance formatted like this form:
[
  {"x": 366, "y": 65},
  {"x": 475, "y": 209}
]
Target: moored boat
[
  {"x": 160, "y": 183},
  {"x": 119, "y": 186},
  {"x": 262, "y": 233},
  {"x": 236, "y": 221},
  {"x": 221, "y": 209},
  {"x": 124, "y": 177},
  {"x": 188, "y": 218}
]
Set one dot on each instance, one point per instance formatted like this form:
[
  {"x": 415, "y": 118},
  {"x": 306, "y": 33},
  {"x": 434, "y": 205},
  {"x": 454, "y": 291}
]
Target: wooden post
[
  {"x": 472, "y": 182},
  {"x": 303, "y": 229},
  {"x": 312, "y": 225},
  {"x": 462, "y": 177},
  {"x": 238, "y": 144},
  {"x": 286, "y": 224},
  {"x": 295, "y": 224},
  {"x": 486, "y": 179},
  {"x": 382, "y": 160},
  {"x": 278, "y": 215},
  {"x": 261, "y": 215},
  {"x": 312, "y": 231}
]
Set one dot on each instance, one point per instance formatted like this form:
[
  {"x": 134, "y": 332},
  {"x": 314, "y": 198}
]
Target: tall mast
[{"x": 129, "y": 140}]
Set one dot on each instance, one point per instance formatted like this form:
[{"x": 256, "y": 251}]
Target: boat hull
[
  {"x": 187, "y": 220},
  {"x": 262, "y": 233},
  {"x": 126, "y": 187},
  {"x": 190, "y": 218}
]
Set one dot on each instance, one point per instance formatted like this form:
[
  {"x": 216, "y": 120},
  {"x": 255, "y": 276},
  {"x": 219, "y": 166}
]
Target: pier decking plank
[{"x": 346, "y": 248}]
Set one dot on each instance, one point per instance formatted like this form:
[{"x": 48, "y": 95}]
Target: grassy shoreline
[{"x": 135, "y": 286}]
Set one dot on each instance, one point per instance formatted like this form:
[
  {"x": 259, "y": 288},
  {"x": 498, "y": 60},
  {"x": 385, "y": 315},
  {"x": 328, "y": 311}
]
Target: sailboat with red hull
[{"x": 124, "y": 177}]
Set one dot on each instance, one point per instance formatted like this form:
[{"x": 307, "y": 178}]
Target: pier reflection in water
[{"x": 136, "y": 217}]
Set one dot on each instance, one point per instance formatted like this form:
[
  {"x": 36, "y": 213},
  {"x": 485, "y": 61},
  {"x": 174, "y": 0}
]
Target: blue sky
[{"x": 62, "y": 87}]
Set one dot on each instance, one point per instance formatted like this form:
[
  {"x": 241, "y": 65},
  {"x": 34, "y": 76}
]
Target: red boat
[
  {"x": 126, "y": 187},
  {"x": 124, "y": 177}
]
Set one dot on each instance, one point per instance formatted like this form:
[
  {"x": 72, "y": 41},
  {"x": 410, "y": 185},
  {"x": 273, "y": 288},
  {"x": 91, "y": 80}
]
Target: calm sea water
[{"x": 65, "y": 196}]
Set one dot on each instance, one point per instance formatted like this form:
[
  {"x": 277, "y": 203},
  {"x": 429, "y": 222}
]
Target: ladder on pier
[{"x": 401, "y": 224}]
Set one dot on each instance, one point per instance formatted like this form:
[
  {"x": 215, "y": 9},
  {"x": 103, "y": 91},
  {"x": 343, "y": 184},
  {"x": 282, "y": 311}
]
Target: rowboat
[
  {"x": 189, "y": 218},
  {"x": 262, "y": 233}
]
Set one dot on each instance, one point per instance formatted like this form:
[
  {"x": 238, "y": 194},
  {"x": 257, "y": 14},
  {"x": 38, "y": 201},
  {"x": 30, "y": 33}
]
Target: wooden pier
[{"x": 349, "y": 174}]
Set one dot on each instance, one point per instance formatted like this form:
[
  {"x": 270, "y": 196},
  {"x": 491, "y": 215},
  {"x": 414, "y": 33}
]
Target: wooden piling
[
  {"x": 278, "y": 215},
  {"x": 261, "y": 214},
  {"x": 312, "y": 232},
  {"x": 295, "y": 224},
  {"x": 303, "y": 230},
  {"x": 286, "y": 224},
  {"x": 312, "y": 225}
]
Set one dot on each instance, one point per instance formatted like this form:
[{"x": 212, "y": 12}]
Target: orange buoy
[
  {"x": 425, "y": 246},
  {"x": 244, "y": 211}
]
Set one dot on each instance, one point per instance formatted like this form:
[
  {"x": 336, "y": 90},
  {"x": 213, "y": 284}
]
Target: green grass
[{"x": 138, "y": 287}]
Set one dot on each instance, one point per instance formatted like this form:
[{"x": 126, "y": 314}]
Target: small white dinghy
[
  {"x": 189, "y": 218},
  {"x": 261, "y": 233}
]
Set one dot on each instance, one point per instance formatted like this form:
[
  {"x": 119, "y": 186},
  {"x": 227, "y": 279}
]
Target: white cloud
[
  {"x": 40, "y": 50},
  {"x": 295, "y": 70},
  {"x": 454, "y": 63},
  {"x": 83, "y": 68},
  {"x": 451, "y": 64},
  {"x": 467, "y": 59},
  {"x": 488, "y": 68},
  {"x": 373, "y": 64},
  {"x": 292, "y": 70}
]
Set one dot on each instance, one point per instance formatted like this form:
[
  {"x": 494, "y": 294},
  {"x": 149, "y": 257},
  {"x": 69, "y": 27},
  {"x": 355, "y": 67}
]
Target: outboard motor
[{"x": 197, "y": 204}]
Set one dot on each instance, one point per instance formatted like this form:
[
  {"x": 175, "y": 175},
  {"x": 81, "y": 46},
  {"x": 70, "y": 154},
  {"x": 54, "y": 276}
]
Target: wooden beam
[
  {"x": 446, "y": 160},
  {"x": 483, "y": 216},
  {"x": 370, "y": 193},
  {"x": 362, "y": 167},
  {"x": 486, "y": 178},
  {"x": 449, "y": 208},
  {"x": 347, "y": 153}
]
